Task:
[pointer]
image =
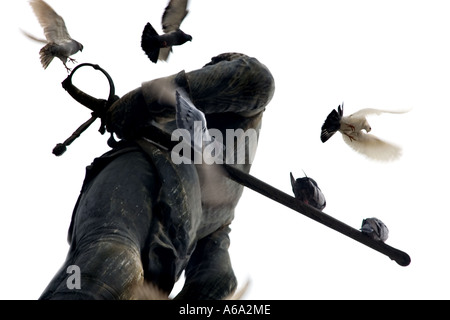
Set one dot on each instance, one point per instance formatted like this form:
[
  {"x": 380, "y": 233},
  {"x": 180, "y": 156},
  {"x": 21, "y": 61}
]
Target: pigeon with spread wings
[
  {"x": 188, "y": 117},
  {"x": 157, "y": 47},
  {"x": 351, "y": 127},
  {"x": 58, "y": 42},
  {"x": 215, "y": 189}
]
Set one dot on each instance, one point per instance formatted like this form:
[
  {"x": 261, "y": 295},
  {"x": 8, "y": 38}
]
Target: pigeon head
[
  {"x": 80, "y": 46},
  {"x": 184, "y": 37},
  {"x": 366, "y": 126}
]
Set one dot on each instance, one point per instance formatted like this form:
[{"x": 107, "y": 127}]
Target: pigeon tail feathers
[
  {"x": 150, "y": 42},
  {"x": 46, "y": 55}
]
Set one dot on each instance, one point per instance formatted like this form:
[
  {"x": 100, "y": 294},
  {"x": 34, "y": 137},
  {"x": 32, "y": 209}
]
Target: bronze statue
[{"x": 140, "y": 217}]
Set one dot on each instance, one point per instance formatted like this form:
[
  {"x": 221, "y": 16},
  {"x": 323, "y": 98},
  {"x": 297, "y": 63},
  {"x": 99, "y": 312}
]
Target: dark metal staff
[{"x": 267, "y": 190}]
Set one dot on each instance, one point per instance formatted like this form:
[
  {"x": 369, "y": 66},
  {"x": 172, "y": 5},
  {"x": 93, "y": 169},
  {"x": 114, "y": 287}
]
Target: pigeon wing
[
  {"x": 173, "y": 15},
  {"x": 187, "y": 113},
  {"x": 371, "y": 111},
  {"x": 54, "y": 27},
  {"x": 292, "y": 181},
  {"x": 383, "y": 230},
  {"x": 318, "y": 199},
  {"x": 164, "y": 53},
  {"x": 186, "y": 117},
  {"x": 373, "y": 147},
  {"x": 332, "y": 124},
  {"x": 32, "y": 37}
]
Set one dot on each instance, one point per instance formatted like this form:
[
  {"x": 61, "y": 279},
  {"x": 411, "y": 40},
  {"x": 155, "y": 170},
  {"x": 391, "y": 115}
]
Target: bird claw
[
  {"x": 71, "y": 60},
  {"x": 351, "y": 127},
  {"x": 350, "y": 137},
  {"x": 68, "y": 69}
]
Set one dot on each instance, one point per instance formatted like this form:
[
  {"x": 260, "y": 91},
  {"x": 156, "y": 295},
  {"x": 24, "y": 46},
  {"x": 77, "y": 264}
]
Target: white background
[{"x": 381, "y": 54}]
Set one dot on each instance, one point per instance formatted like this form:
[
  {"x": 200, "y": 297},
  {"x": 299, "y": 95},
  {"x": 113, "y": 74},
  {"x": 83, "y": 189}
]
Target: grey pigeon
[
  {"x": 375, "y": 229},
  {"x": 58, "y": 41},
  {"x": 306, "y": 190},
  {"x": 351, "y": 127},
  {"x": 216, "y": 190},
  {"x": 159, "y": 46},
  {"x": 193, "y": 120}
]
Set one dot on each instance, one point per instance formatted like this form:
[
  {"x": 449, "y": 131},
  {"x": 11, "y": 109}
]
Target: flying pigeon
[
  {"x": 351, "y": 129},
  {"x": 216, "y": 192},
  {"x": 194, "y": 121},
  {"x": 58, "y": 41},
  {"x": 158, "y": 46},
  {"x": 306, "y": 190},
  {"x": 375, "y": 229}
]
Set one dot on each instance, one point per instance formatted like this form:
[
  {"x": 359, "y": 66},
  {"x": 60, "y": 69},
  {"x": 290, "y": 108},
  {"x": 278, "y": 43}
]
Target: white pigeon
[
  {"x": 375, "y": 228},
  {"x": 58, "y": 41},
  {"x": 351, "y": 127}
]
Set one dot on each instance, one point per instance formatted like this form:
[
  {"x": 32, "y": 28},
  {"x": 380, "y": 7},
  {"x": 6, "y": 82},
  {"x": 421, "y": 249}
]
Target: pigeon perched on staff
[
  {"x": 58, "y": 42},
  {"x": 375, "y": 229},
  {"x": 157, "y": 47},
  {"x": 306, "y": 190},
  {"x": 351, "y": 127}
]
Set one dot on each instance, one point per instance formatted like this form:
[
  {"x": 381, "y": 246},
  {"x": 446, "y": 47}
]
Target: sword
[{"x": 98, "y": 106}]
